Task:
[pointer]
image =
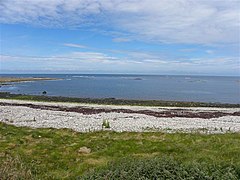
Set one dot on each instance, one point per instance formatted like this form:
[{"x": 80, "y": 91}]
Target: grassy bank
[
  {"x": 113, "y": 101},
  {"x": 54, "y": 154}
]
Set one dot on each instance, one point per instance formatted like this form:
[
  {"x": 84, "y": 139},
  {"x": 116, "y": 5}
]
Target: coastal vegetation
[
  {"x": 55, "y": 154},
  {"x": 161, "y": 168},
  {"x": 113, "y": 101},
  {"x": 105, "y": 124}
]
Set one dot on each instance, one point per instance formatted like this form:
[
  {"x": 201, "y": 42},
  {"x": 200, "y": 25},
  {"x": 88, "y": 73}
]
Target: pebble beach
[{"x": 121, "y": 118}]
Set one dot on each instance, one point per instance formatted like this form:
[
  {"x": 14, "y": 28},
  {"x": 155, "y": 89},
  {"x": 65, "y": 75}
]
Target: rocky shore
[{"x": 89, "y": 117}]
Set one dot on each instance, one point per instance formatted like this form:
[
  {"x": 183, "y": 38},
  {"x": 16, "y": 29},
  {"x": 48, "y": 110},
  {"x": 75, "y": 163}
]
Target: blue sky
[{"x": 197, "y": 37}]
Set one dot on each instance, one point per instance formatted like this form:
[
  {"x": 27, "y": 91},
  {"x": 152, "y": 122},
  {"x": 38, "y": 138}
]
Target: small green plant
[{"x": 105, "y": 124}]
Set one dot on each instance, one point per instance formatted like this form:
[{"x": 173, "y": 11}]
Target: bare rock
[{"x": 84, "y": 150}]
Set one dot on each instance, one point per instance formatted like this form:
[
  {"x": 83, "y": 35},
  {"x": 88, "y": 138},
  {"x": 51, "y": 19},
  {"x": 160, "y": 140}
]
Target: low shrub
[{"x": 161, "y": 168}]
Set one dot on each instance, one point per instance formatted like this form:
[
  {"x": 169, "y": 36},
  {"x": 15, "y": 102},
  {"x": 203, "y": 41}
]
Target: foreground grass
[
  {"x": 53, "y": 154},
  {"x": 162, "y": 168}
]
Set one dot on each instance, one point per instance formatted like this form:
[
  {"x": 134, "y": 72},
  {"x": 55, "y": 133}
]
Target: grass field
[{"x": 53, "y": 154}]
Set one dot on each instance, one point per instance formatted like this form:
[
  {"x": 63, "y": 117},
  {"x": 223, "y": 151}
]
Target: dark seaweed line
[{"x": 166, "y": 114}]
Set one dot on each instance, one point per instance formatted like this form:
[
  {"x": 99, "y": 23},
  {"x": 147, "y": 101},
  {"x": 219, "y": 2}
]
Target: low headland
[
  {"x": 45, "y": 137},
  {"x": 6, "y": 80}
]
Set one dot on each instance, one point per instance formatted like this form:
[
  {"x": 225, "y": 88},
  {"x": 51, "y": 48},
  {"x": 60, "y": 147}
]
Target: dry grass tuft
[{"x": 13, "y": 168}]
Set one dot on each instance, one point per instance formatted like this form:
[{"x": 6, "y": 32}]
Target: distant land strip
[{"x": 4, "y": 80}]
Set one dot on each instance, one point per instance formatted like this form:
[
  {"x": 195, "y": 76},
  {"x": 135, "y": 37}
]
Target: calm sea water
[{"x": 178, "y": 88}]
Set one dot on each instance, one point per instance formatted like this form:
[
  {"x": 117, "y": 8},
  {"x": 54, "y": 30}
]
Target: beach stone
[{"x": 84, "y": 150}]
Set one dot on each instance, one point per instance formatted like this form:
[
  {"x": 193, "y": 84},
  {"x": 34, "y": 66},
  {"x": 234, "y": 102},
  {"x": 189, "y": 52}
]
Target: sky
[{"x": 178, "y": 37}]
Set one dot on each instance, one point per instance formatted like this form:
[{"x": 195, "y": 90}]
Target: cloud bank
[
  {"x": 179, "y": 21},
  {"x": 92, "y": 62}
]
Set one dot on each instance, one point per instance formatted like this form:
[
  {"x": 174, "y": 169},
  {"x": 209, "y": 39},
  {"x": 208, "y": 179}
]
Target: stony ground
[{"x": 88, "y": 117}]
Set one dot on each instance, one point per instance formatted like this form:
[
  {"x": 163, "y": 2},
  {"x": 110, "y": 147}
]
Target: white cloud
[
  {"x": 74, "y": 45},
  {"x": 119, "y": 39},
  {"x": 73, "y": 58},
  {"x": 176, "y": 21},
  {"x": 82, "y": 61}
]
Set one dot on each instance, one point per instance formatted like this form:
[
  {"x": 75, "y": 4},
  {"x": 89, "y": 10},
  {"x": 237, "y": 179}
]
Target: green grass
[
  {"x": 161, "y": 168},
  {"x": 113, "y": 101},
  {"x": 53, "y": 154}
]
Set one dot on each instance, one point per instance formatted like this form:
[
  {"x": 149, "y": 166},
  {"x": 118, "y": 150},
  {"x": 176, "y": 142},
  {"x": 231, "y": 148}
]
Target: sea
[{"x": 216, "y": 89}]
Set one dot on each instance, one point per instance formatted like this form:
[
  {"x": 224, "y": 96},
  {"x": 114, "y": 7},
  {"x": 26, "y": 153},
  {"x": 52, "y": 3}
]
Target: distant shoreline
[
  {"x": 114, "y": 101},
  {"x": 4, "y": 80},
  {"x": 118, "y": 74}
]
